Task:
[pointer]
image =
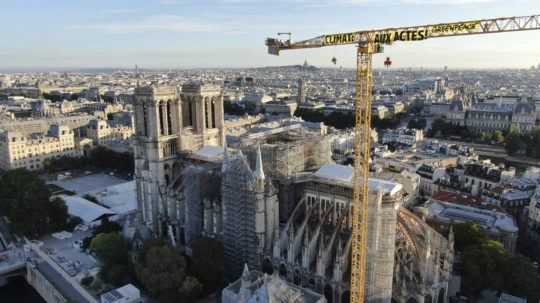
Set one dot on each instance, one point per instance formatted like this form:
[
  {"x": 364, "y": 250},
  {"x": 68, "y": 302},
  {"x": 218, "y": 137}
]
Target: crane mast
[
  {"x": 368, "y": 43},
  {"x": 362, "y": 146}
]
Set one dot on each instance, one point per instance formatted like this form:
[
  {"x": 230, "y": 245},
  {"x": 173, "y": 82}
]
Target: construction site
[
  {"x": 272, "y": 194},
  {"x": 369, "y": 43}
]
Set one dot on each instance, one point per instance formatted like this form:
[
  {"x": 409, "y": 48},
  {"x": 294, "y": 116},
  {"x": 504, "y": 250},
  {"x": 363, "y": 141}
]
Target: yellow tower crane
[{"x": 371, "y": 42}]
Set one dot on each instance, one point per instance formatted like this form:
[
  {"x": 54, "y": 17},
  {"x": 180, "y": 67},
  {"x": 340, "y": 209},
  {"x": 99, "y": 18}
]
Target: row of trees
[
  {"x": 515, "y": 142},
  {"x": 527, "y": 144},
  {"x": 390, "y": 122},
  {"x": 485, "y": 264},
  {"x": 339, "y": 120},
  {"x": 344, "y": 120},
  {"x": 231, "y": 108},
  {"x": 441, "y": 128},
  {"x": 335, "y": 119},
  {"x": 26, "y": 201},
  {"x": 417, "y": 123},
  {"x": 100, "y": 157},
  {"x": 59, "y": 97},
  {"x": 72, "y": 97},
  {"x": 495, "y": 137}
]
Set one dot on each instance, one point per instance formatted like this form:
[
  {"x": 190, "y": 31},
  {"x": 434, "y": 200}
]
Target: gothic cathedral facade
[{"x": 171, "y": 123}]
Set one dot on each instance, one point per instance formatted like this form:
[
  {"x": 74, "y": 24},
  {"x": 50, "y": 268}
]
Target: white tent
[
  {"x": 120, "y": 198},
  {"x": 88, "y": 211}
]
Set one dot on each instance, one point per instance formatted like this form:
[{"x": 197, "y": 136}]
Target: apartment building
[
  {"x": 18, "y": 150},
  {"x": 102, "y": 132},
  {"x": 403, "y": 136}
]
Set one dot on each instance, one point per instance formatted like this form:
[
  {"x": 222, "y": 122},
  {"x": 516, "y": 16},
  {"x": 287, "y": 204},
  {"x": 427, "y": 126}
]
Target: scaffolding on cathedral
[{"x": 289, "y": 153}]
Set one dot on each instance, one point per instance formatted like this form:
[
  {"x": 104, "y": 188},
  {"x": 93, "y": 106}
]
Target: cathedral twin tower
[
  {"x": 170, "y": 122},
  {"x": 182, "y": 196}
]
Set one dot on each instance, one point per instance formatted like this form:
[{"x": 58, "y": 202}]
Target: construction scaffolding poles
[{"x": 364, "y": 86}]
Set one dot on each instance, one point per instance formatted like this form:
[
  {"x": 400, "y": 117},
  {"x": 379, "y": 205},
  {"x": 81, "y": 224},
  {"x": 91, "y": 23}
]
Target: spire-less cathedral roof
[{"x": 344, "y": 175}]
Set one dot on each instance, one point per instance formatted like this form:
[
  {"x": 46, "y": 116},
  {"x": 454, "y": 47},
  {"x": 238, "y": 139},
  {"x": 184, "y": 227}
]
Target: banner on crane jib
[
  {"x": 384, "y": 37},
  {"x": 343, "y": 38},
  {"x": 404, "y": 35},
  {"x": 410, "y": 34},
  {"x": 454, "y": 28}
]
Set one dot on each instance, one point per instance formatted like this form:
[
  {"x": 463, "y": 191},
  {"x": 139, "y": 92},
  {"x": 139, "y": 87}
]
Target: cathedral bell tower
[
  {"x": 201, "y": 116},
  {"x": 156, "y": 140}
]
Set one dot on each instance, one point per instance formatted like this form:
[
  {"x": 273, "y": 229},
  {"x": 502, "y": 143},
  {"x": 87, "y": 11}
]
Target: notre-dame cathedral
[
  {"x": 190, "y": 183},
  {"x": 170, "y": 124}
]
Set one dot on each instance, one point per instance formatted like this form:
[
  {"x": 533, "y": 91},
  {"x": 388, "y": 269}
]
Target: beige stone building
[
  {"x": 491, "y": 116},
  {"x": 42, "y": 125},
  {"x": 101, "y": 132},
  {"x": 18, "y": 150}
]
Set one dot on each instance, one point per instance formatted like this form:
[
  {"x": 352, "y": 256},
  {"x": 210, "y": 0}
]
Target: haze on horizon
[{"x": 40, "y": 34}]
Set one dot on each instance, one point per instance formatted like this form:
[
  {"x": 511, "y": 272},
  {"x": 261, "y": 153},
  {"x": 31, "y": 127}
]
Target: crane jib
[{"x": 405, "y": 34}]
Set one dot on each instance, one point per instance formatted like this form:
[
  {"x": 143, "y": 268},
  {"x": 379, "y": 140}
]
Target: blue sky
[{"x": 230, "y": 33}]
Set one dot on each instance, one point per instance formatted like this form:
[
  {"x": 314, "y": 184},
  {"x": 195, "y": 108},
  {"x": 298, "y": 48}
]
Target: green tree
[
  {"x": 86, "y": 281},
  {"x": 65, "y": 163},
  {"x": 390, "y": 121},
  {"x": 485, "y": 264},
  {"x": 534, "y": 144},
  {"x": 417, "y": 123},
  {"x": 58, "y": 214},
  {"x": 310, "y": 115},
  {"x": 498, "y": 136},
  {"x": 233, "y": 109},
  {"x": 344, "y": 120},
  {"x": 467, "y": 235},
  {"x": 106, "y": 226},
  {"x": 438, "y": 128},
  {"x": 25, "y": 200},
  {"x": 191, "y": 288},
  {"x": 521, "y": 278},
  {"x": 103, "y": 157},
  {"x": 482, "y": 266},
  {"x": 109, "y": 248},
  {"x": 340, "y": 120},
  {"x": 162, "y": 272},
  {"x": 208, "y": 263},
  {"x": 100, "y": 157},
  {"x": 412, "y": 124},
  {"x": 421, "y": 123},
  {"x": 514, "y": 142},
  {"x": 417, "y": 107},
  {"x": 485, "y": 137},
  {"x": 112, "y": 251},
  {"x": 116, "y": 274}
]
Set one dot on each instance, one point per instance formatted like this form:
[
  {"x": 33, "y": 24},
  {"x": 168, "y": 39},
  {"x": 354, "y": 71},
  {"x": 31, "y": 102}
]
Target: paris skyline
[{"x": 231, "y": 33}]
